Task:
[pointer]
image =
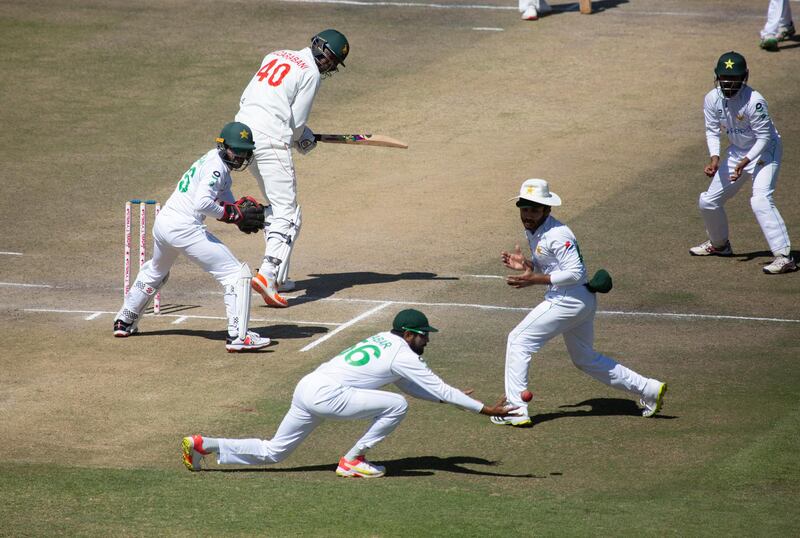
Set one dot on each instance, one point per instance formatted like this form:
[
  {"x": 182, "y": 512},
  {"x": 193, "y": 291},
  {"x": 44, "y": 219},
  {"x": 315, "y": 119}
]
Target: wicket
[{"x": 142, "y": 243}]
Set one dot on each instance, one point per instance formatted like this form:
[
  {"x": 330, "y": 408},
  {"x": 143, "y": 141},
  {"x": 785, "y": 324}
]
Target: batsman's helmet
[
  {"x": 330, "y": 48},
  {"x": 731, "y": 73},
  {"x": 238, "y": 138}
]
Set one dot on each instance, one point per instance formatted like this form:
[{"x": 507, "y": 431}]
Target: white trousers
[
  {"x": 573, "y": 316},
  {"x": 779, "y": 15},
  {"x": 274, "y": 173},
  {"x": 317, "y": 398},
  {"x": 764, "y": 176},
  {"x": 196, "y": 243}
]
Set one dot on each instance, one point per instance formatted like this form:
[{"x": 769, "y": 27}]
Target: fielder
[
  {"x": 203, "y": 191},
  {"x": 276, "y": 104},
  {"x": 755, "y": 149},
  {"x": 568, "y": 308},
  {"x": 345, "y": 388},
  {"x": 779, "y": 25}
]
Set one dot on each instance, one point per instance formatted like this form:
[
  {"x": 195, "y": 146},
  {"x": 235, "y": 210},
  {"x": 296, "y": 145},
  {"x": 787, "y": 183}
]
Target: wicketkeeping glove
[{"x": 246, "y": 213}]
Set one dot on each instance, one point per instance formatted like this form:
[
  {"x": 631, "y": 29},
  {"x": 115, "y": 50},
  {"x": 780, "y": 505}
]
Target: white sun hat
[{"x": 537, "y": 190}]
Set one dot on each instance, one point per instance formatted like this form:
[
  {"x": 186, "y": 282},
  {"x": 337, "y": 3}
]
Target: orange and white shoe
[
  {"x": 265, "y": 286},
  {"x": 192, "y": 448},
  {"x": 359, "y": 468}
]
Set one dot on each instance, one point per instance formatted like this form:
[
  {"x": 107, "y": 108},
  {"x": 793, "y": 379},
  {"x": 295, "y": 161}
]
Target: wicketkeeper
[{"x": 204, "y": 191}]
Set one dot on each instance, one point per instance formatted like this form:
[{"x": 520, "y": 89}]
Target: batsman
[
  {"x": 276, "y": 103},
  {"x": 203, "y": 191}
]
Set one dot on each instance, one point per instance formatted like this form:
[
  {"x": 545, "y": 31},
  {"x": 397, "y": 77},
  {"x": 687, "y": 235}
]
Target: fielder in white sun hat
[{"x": 537, "y": 190}]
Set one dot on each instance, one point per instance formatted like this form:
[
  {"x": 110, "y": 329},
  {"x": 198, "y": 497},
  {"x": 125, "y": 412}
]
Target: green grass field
[{"x": 106, "y": 101}]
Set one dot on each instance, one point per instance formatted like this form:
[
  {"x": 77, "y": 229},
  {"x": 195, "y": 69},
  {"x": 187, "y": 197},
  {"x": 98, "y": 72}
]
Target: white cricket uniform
[
  {"x": 568, "y": 308},
  {"x": 751, "y": 133},
  {"x": 179, "y": 229},
  {"x": 779, "y": 15},
  {"x": 345, "y": 387},
  {"x": 276, "y": 105}
]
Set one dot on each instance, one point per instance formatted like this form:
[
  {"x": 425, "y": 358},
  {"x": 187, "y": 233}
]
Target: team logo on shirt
[
  {"x": 538, "y": 250},
  {"x": 740, "y": 117}
]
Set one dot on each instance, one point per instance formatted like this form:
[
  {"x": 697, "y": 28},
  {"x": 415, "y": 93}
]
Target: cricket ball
[{"x": 526, "y": 395}]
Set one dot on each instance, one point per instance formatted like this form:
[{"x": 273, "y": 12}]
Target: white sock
[{"x": 211, "y": 444}]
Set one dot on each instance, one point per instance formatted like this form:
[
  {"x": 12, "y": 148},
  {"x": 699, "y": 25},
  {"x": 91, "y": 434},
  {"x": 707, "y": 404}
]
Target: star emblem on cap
[
  {"x": 729, "y": 64},
  {"x": 244, "y": 134},
  {"x": 530, "y": 190}
]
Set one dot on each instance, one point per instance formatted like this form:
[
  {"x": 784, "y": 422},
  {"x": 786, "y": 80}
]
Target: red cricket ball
[{"x": 526, "y": 395}]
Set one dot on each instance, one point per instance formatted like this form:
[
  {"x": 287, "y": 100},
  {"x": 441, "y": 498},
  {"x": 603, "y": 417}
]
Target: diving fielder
[
  {"x": 346, "y": 387},
  {"x": 755, "y": 149},
  {"x": 203, "y": 191},
  {"x": 276, "y": 104}
]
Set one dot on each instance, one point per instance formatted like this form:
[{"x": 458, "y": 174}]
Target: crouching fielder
[
  {"x": 568, "y": 308},
  {"x": 204, "y": 190},
  {"x": 345, "y": 388}
]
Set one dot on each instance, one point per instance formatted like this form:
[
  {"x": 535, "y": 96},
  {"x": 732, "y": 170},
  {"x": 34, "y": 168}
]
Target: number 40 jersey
[
  {"x": 278, "y": 99},
  {"x": 386, "y": 358}
]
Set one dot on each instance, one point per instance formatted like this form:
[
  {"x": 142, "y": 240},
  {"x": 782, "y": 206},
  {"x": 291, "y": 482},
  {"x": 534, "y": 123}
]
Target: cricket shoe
[
  {"x": 781, "y": 264},
  {"x": 250, "y": 342},
  {"x": 652, "y": 405},
  {"x": 124, "y": 330},
  {"x": 786, "y": 32},
  {"x": 707, "y": 249},
  {"x": 192, "y": 448},
  {"x": 265, "y": 286},
  {"x": 516, "y": 419},
  {"x": 530, "y": 14},
  {"x": 359, "y": 468},
  {"x": 769, "y": 43}
]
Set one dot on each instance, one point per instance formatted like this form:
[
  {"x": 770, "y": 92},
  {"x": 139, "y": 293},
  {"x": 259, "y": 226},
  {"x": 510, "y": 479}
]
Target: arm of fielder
[{"x": 361, "y": 139}]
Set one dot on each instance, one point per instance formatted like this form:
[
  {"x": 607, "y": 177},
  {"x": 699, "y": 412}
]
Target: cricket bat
[{"x": 363, "y": 139}]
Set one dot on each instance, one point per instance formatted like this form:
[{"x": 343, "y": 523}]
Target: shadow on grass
[
  {"x": 597, "y": 6},
  {"x": 322, "y": 286},
  {"x": 598, "y": 407},
  {"x": 274, "y": 332},
  {"x": 404, "y": 467},
  {"x": 750, "y": 256}
]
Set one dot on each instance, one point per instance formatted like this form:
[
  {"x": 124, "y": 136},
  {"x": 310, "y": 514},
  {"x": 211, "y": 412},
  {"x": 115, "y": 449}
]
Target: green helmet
[
  {"x": 731, "y": 63},
  {"x": 238, "y": 138},
  {"x": 330, "y": 48},
  {"x": 731, "y": 73}
]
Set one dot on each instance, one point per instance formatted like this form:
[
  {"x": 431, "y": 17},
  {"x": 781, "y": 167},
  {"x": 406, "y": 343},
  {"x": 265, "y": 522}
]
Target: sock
[
  {"x": 211, "y": 444},
  {"x": 354, "y": 453}
]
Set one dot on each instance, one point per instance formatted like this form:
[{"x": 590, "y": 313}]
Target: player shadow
[
  {"x": 321, "y": 286},
  {"x": 597, "y": 6},
  {"x": 598, "y": 407},
  {"x": 172, "y": 308},
  {"x": 403, "y": 467},
  {"x": 274, "y": 332},
  {"x": 766, "y": 254}
]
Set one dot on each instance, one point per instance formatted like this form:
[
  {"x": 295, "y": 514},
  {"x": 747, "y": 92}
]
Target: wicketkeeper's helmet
[{"x": 237, "y": 137}]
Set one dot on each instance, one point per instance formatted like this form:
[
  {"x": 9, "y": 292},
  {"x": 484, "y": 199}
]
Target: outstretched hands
[
  {"x": 500, "y": 409},
  {"x": 513, "y": 260}
]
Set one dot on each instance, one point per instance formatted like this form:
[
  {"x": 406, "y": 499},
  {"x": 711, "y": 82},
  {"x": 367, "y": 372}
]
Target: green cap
[
  {"x": 412, "y": 320},
  {"x": 600, "y": 282},
  {"x": 238, "y": 136},
  {"x": 731, "y": 63},
  {"x": 336, "y": 42}
]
